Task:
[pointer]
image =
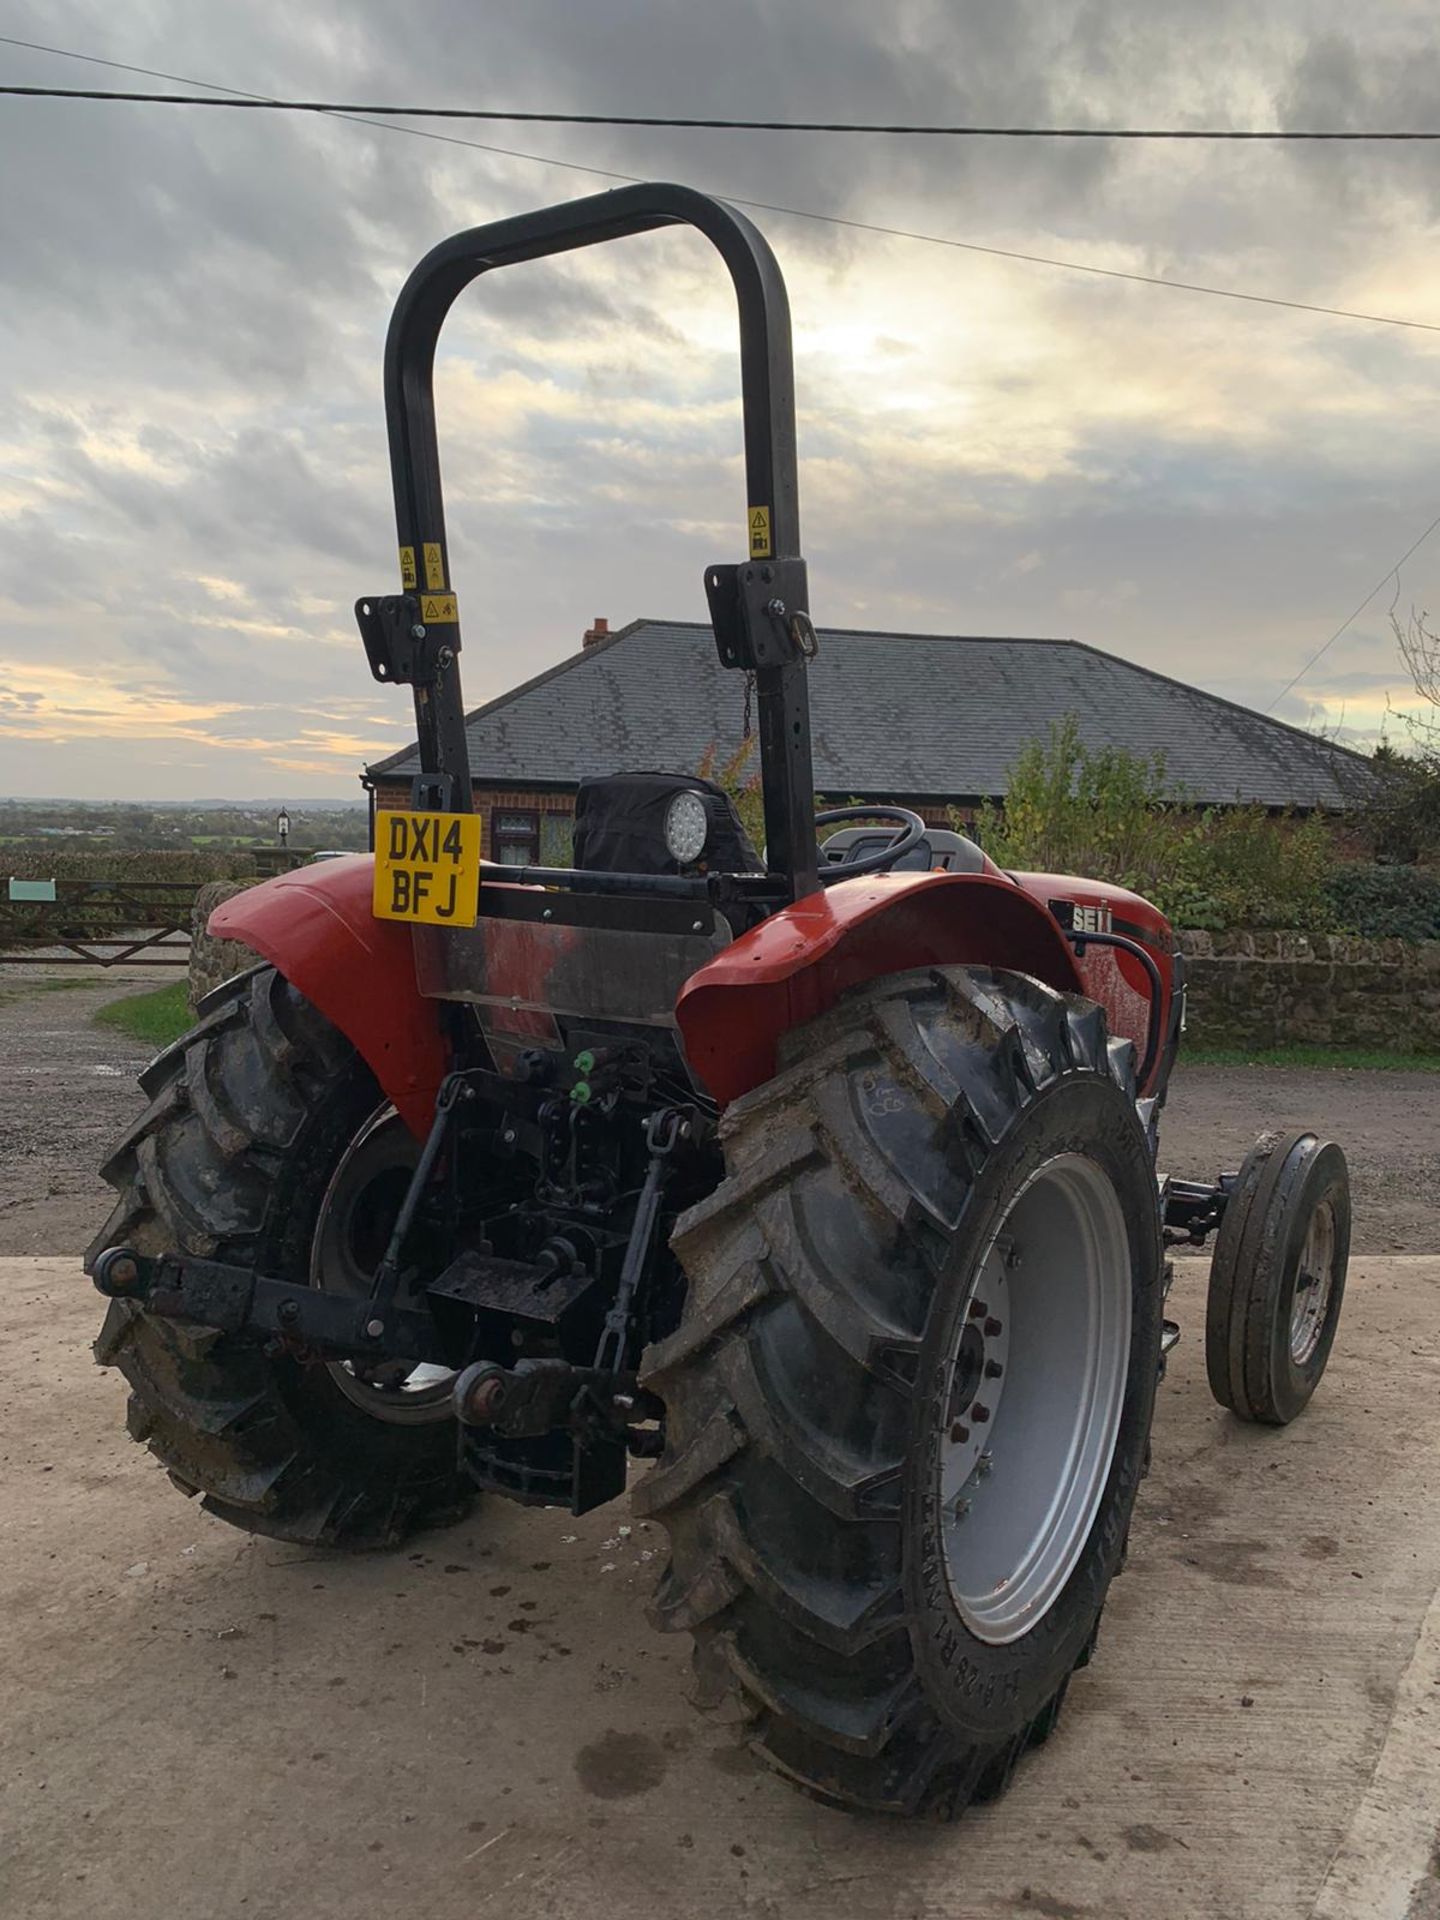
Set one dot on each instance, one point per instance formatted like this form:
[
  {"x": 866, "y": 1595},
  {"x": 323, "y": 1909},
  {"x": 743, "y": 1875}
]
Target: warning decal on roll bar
[{"x": 759, "y": 533}]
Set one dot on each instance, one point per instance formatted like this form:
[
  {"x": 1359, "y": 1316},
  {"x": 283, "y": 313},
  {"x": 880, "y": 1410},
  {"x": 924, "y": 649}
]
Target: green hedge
[
  {"x": 43, "y": 863},
  {"x": 1399, "y": 903}
]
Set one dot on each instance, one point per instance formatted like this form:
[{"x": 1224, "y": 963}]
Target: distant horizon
[{"x": 204, "y": 803}]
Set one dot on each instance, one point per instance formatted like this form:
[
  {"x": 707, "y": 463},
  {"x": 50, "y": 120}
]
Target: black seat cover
[{"x": 620, "y": 825}]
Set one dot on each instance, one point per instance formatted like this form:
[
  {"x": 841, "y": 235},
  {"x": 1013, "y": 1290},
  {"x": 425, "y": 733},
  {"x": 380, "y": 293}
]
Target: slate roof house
[{"x": 925, "y": 720}]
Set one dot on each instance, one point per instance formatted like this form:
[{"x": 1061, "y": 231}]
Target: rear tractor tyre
[
  {"x": 909, "y": 1400},
  {"x": 266, "y": 1142},
  {"x": 1277, "y": 1277}
]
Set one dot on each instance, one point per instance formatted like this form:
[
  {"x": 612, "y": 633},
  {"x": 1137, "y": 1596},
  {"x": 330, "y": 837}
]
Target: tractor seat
[{"x": 950, "y": 852}]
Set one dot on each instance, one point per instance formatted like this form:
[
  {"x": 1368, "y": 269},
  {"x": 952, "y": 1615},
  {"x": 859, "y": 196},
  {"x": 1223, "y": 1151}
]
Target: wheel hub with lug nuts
[
  {"x": 977, "y": 1383},
  {"x": 1037, "y": 1383},
  {"x": 1313, "y": 1283}
]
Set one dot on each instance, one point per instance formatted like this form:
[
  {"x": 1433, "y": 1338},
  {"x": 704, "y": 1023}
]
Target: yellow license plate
[{"x": 427, "y": 867}]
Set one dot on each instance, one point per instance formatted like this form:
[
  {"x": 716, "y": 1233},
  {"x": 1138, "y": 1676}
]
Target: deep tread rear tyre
[
  {"x": 805, "y": 1385},
  {"x": 249, "y": 1114}
]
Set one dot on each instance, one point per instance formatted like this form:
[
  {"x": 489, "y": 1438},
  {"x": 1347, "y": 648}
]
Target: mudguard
[
  {"x": 1115, "y": 979},
  {"x": 797, "y": 963},
  {"x": 315, "y": 926}
]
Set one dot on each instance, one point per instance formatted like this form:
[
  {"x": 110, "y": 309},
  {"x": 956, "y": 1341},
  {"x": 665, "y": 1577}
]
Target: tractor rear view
[{"x": 824, "y": 1182}]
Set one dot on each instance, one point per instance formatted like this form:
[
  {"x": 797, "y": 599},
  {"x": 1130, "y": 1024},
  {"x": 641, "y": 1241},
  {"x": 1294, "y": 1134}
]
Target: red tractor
[{"x": 826, "y": 1181}]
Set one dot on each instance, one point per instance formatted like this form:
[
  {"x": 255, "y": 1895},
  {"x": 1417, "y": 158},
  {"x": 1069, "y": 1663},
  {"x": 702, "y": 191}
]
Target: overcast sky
[{"x": 193, "y": 487}]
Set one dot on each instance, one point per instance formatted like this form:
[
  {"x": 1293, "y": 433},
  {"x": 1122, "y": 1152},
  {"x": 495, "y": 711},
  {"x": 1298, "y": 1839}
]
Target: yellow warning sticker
[
  {"x": 434, "y": 567},
  {"x": 436, "y": 608},
  {"x": 407, "y": 567},
  {"x": 759, "y": 533}
]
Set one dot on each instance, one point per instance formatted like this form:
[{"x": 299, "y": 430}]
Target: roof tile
[{"x": 893, "y": 714}]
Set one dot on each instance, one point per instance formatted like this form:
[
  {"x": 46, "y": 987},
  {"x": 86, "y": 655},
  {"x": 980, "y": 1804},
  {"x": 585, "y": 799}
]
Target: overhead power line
[
  {"x": 771, "y": 206},
  {"x": 862, "y": 226},
  {"x": 381, "y": 110},
  {"x": 1344, "y": 626}
]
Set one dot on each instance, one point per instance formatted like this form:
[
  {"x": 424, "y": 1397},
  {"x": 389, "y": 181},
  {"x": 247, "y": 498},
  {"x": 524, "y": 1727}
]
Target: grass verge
[
  {"x": 154, "y": 1018},
  {"x": 1364, "y": 1059}
]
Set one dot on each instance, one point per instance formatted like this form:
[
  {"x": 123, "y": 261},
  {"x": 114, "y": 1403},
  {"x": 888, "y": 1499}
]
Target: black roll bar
[{"x": 760, "y": 608}]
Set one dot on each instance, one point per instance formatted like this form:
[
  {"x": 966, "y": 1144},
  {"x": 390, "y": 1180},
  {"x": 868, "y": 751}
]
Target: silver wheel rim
[
  {"x": 1314, "y": 1283},
  {"x": 354, "y": 1224},
  {"x": 1037, "y": 1384}
]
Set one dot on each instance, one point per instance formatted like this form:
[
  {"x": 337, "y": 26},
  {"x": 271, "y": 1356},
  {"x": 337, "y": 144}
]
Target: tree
[{"x": 1404, "y": 816}]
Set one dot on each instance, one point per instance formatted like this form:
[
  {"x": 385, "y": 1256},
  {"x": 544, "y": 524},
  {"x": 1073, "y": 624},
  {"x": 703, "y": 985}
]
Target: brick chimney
[{"x": 600, "y": 631}]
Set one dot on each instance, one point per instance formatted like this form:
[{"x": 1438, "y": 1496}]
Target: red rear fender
[
  {"x": 796, "y": 964},
  {"x": 1112, "y": 977},
  {"x": 315, "y": 926}
]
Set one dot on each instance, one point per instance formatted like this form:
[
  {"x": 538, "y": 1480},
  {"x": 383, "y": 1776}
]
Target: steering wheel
[{"x": 914, "y": 832}]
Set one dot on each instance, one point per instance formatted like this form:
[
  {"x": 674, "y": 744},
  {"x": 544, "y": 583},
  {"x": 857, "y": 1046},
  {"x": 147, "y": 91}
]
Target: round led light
[{"x": 686, "y": 828}]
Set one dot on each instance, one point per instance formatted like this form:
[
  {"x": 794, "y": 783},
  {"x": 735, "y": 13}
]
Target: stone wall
[
  {"x": 211, "y": 960},
  {"x": 1245, "y": 989},
  {"x": 1315, "y": 989}
]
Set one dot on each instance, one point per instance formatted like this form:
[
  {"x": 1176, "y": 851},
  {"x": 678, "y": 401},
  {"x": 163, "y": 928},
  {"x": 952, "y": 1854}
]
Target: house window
[{"x": 516, "y": 838}]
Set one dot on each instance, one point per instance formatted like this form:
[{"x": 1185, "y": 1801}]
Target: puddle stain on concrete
[{"x": 620, "y": 1765}]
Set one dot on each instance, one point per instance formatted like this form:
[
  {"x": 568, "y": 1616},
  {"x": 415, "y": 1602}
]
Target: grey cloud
[{"x": 216, "y": 288}]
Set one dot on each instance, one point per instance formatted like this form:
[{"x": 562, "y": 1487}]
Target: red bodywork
[
  {"x": 798, "y": 962},
  {"x": 1111, "y": 977},
  {"x": 316, "y": 927}
]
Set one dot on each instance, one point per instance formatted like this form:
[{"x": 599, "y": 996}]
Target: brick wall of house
[{"x": 556, "y": 811}]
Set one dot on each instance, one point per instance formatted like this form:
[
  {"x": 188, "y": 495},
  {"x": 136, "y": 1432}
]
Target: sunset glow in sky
[{"x": 193, "y": 479}]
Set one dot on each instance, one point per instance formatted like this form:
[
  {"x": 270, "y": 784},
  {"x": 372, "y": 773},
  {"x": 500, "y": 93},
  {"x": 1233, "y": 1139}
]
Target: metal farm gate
[{"x": 97, "y": 923}]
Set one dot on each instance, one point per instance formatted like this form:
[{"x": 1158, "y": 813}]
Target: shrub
[
  {"x": 1242, "y": 867},
  {"x": 1069, "y": 809},
  {"x": 741, "y": 782},
  {"x": 1400, "y": 903},
  {"x": 1400, "y": 813},
  {"x": 1116, "y": 816}
]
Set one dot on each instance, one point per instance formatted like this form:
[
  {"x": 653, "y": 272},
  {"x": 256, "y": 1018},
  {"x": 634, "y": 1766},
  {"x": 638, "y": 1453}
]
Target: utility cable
[
  {"x": 1345, "y": 624},
  {"x": 862, "y": 226},
  {"x": 770, "y": 206},
  {"x": 380, "y": 110}
]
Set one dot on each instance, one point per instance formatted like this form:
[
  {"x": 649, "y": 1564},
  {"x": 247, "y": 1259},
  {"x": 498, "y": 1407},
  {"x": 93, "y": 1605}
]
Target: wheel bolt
[
  {"x": 979, "y": 1414},
  {"x": 958, "y": 1431},
  {"x": 993, "y": 1328},
  {"x": 484, "y": 1400},
  {"x": 978, "y": 1309},
  {"x": 993, "y": 1369},
  {"x": 123, "y": 1273}
]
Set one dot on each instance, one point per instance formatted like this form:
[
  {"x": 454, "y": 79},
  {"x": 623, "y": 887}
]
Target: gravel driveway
[{"x": 67, "y": 1090}]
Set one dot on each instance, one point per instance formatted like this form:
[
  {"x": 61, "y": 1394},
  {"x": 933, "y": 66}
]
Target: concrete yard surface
[{"x": 204, "y": 1726}]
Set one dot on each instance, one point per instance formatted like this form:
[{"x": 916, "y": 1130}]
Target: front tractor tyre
[
  {"x": 267, "y": 1143},
  {"x": 909, "y": 1401},
  {"x": 1277, "y": 1277}
]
